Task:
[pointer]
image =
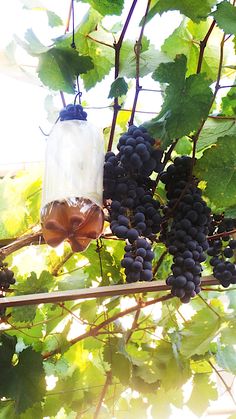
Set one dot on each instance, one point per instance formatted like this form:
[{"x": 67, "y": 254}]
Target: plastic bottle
[{"x": 73, "y": 181}]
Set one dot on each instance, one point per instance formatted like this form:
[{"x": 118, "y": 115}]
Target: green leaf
[
  {"x": 183, "y": 146},
  {"x": 185, "y": 40},
  {"x": 7, "y": 350},
  {"x": 225, "y": 16},
  {"x": 59, "y": 67},
  {"x": 150, "y": 58},
  {"x": 7, "y": 410},
  {"x": 228, "y": 336},
  {"x": 186, "y": 104},
  {"x": 24, "y": 385},
  {"x": 196, "y": 10},
  {"x": 229, "y": 103},
  {"x": 199, "y": 332},
  {"x": 106, "y": 7},
  {"x": 213, "y": 130},
  {"x": 226, "y": 358},
  {"x": 203, "y": 392},
  {"x": 221, "y": 183},
  {"x": 24, "y": 313},
  {"x": 31, "y": 44},
  {"x": 88, "y": 310},
  {"x": 73, "y": 281},
  {"x": 118, "y": 360},
  {"x": 53, "y": 19},
  {"x": 34, "y": 284},
  {"x": 101, "y": 55},
  {"x": 119, "y": 87}
]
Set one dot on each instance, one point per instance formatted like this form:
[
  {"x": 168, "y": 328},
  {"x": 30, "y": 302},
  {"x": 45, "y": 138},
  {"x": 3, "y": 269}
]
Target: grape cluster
[
  {"x": 6, "y": 277},
  {"x": 133, "y": 211},
  {"x": 6, "y": 280},
  {"x": 137, "y": 152},
  {"x": 186, "y": 239},
  {"x": 221, "y": 250},
  {"x": 138, "y": 261}
]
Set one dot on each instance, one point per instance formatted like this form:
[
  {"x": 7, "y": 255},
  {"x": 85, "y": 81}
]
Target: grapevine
[{"x": 184, "y": 223}]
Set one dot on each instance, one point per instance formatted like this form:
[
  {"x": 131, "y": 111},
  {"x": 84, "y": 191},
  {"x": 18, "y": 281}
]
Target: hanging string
[
  {"x": 73, "y": 24},
  {"x": 79, "y": 94},
  {"x": 73, "y": 45}
]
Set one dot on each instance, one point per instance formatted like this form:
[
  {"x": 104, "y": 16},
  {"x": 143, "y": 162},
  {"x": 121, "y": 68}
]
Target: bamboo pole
[{"x": 87, "y": 293}]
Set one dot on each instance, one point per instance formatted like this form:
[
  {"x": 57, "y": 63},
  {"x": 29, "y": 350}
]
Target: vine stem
[
  {"x": 228, "y": 389},
  {"x": 208, "y": 305},
  {"x": 117, "y": 47},
  {"x": 166, "y": 159},
  {"x": 95, "y": 330},
  {"x": 203, "y": 44},
  {"x": 225, "y": 233},
  {"x": 217, "y": 87},
  {"x": 159, "y": 262},
  {"x": 33, "y": 238},
  {"x": 137, "y": 50},
  {"x": 134, "y": 325},
  {"x": 103, "y": 393},
  {"x": 61, "y": 263}
]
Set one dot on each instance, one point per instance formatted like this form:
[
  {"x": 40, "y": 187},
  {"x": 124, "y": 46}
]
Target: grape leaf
[
  {"x": 228, "y": 105},
  {"x": 150, "y": 58},
  {"x": 198, "y": 334},
  {"x": 7, "y": 410},
  {"x": 186, "y": 104},
  {"x": 203, "y": 391},
  {"x": 88, "y": 310},
  {"x": 185, "y": 40},
  {"x": 101, "y": 55},
  {"x": 73, "y": 281},
  {"x": 24, "y": 313},
  {"x": 106, "y": 7},
  {"x": 118, "y": 88},
  {"x": 31, "y": 44},
  {"x": 213, "y": 130},
  {"x": 221, "y": 183},
  {"x": 226, "y": 358},
  {"x": 7, "y": 350},
  {"x": 196, "y": 10},
  {"x": 225, "y": 16},
  {"x": 119, "y": 361},
  {"x": 59, "y": 67},
  {"x": 53, "y": 19},
  {"x": 35, "y": 284},
  {"x": 24, "y": 385}
]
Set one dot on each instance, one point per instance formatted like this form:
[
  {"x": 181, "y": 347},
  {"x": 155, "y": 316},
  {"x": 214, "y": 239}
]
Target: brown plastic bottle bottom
[{"x": 78, "y": 221}]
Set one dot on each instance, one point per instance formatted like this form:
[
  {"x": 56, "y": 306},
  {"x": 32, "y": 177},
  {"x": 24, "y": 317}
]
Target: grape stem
[
  {"x": 228, "y": 389},
  {"x": 203, "y": 44},
  {"x": 103, "y": 393},
  {"x": 166, "y": 159},
  {"x": 117, "y": 47},
  {"x": 219, "y": 235},
  {"x": 217, "y": 87},
  {"x": 159, "y": 262},
  {"x": 137, "y": 50},
  {"x": 95, "y": 330}
]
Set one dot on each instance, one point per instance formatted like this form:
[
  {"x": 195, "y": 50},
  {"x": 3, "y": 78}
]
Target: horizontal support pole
[{"x": 86, "y": 293}]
